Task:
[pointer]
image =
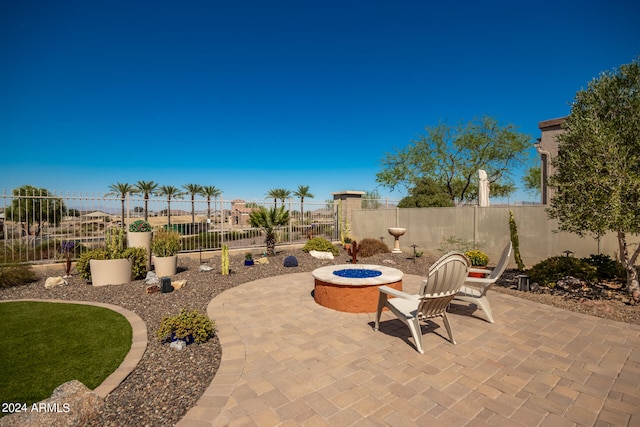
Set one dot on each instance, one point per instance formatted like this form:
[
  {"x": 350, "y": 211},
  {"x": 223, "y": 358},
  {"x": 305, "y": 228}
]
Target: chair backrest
[
  {"x": 501, "y": 266},
  {"x": 446, "y": 275}
]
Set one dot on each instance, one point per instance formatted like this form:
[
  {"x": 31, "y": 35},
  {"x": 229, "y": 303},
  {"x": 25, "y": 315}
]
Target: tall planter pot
[
  {"x": 110, "y": 271},
  {"x": 141, "y": 240},
  {"x": 166, "y": 265}
]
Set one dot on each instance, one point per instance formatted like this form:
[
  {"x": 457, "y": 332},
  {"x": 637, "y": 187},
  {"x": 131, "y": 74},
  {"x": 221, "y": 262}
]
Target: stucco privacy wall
[{"x": 428, "y": 228}]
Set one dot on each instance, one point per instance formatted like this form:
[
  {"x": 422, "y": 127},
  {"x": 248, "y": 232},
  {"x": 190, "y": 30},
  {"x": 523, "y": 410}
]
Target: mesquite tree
[
  {"x": 452, "y": 156},
  {"x": 597, "y": 177}
]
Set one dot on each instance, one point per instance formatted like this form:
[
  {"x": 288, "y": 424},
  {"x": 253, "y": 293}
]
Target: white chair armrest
[
  {"x": 396, "y": 293},
  {"x": 480, "y": 280}
]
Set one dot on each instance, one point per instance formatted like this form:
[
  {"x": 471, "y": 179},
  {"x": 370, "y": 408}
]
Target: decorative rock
[
  {"x": 53, "y": 282},
  {"x": 71, "y": 404},
  {"x": 179, "y": 284},
  {"x": 263, "y": 260},
  {"x": 389, "y": 261},
  {"x": 290, "y": 261},
  {"x": 151, "y": 278},
  {"x": 178, "y": 344},
  {"x": 153, "y": 289},
  {"x": 321, "y": 254},
  {"x": 206, "y": 268}
]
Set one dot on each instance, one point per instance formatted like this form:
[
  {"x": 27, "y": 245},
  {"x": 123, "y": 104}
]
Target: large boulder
[{"x": 71, "y": 404}]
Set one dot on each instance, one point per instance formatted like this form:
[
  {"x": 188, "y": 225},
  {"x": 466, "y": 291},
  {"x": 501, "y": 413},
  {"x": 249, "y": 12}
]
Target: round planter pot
[
  {"x": 110, "y": 271},
  {"x": 248, "y": 262},
  {"x": 141, "y": 240},
  {"x": 165, "y": 265}
]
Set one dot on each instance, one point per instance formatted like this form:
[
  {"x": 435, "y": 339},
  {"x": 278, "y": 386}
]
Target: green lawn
[{"x": 46, "y": 344}]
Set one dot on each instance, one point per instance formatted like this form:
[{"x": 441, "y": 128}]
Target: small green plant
[
  {"x": 166, "y": 243},
  {"x": 320, "y": 244},
  {"x": 140, "y": 226},
  {"x": 224, "y": 258},
  {"x": 477, "y": 258},
  {"x": 348, "y": 239},
  {"x": 248, "y": 256},
  {"x": 188, "y": 323},
  {"x": 369, "y": 247},
  {"x": 549, "y": 271}
]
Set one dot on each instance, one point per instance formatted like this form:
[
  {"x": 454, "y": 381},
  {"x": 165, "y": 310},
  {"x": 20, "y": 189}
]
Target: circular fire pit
[{"x": 352, "y": 289}]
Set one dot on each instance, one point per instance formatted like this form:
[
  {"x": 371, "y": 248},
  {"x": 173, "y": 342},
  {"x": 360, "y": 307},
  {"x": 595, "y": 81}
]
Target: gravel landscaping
[{"x": 167, "y": 382}]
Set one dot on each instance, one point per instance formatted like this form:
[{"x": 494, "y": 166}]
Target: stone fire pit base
[{"x": 353, "y": 295}]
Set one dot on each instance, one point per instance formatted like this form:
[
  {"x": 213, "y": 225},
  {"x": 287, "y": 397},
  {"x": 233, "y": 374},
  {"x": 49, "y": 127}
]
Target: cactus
[
  {"x": 514, "y": 241},
  {"x": 225, "y": 259},
  {"x": 115, "y": 243}
]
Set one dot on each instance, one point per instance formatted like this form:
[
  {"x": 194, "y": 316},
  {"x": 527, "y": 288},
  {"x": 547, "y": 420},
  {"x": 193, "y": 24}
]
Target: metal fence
[{"x": 35, "y": 225}]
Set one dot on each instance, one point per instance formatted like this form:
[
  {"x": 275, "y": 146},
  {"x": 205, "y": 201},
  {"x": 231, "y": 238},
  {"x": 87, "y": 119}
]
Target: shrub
[
  {"x": 187, "y": 323},
  {"x": 369, "y": 247},
  {"x": 549, "y": 271},
  {"x": 138, "y": 257},
  {"x": 606, "y": 267},
  {"x": 477, "y": 258},
  {"x": 290, "y": 261},
  {"x": 166, "y": 243},
  {"x": 13, "y": 274},
  {"x": 320, "y": 244}
]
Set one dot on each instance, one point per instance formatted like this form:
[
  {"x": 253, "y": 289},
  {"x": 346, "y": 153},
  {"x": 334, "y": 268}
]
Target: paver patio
[{"x": 289, "y": 361}]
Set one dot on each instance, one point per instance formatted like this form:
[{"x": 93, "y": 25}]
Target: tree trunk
[
  {"x": 271, "y": 244},
  {"x": 633, "y": 286}
]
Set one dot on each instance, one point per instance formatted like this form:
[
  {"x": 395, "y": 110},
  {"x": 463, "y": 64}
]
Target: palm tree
[
  {"x": 302, "y": 192},
  {"x": 169, "y": 191},
  {"x": 146, "y": 188},
  {"x": 210, "y": 191},
  {"x": 121, "y": 189},
  {"x": 193, "y": 190},
  {"x": 278, "y": 193},
  {"x": 267, "y": 220},
  {"x": 273, "y": 193}
]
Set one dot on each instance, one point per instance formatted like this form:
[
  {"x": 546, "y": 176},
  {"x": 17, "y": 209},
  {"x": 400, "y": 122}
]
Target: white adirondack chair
[
  {"x": 446, "y": 277},
  {"x": 476, "y": 289}
]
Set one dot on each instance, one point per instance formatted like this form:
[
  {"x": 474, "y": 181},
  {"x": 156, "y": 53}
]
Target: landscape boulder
[{"x": 71, "y": 404}]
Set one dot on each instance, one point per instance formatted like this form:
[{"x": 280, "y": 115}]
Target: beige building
[{"x": 547, "y": 146}]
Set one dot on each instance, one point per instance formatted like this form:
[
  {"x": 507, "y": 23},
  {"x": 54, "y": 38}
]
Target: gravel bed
[{"x": 167, "y": 383}]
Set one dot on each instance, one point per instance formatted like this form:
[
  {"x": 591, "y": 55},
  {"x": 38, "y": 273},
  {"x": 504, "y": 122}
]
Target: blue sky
[{"x": 250, "y": 96}]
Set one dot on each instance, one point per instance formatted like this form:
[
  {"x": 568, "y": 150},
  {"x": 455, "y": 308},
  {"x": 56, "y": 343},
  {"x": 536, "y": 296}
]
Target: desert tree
[
  {"x": 268, "y": 220},
  {"x": 121, "y": 189},
  {"x": 31, "y": 205},
  {"x": 452, "y": 157},
  {"x": 532, "y": 180},
  {"x": 597, "y": 178},
  {"x": 146, "y": 188}
]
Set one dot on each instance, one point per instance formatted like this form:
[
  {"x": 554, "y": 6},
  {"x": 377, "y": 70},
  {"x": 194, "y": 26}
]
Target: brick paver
[{"x": 289, "y": 361}]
